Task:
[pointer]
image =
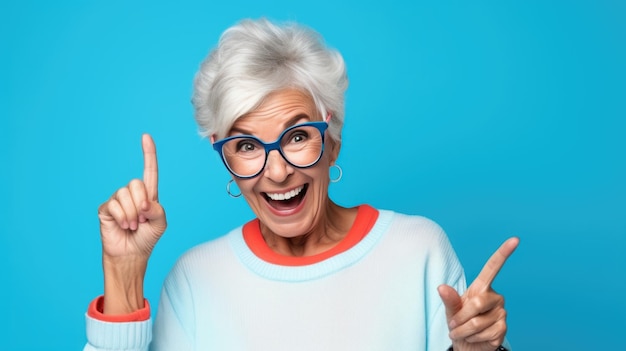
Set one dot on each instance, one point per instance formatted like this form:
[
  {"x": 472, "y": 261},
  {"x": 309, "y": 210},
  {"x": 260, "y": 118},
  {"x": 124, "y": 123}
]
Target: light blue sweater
[{"x": 379, "y": 295}]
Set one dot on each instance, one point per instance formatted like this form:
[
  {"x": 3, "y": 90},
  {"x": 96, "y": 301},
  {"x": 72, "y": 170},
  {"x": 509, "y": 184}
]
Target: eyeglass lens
[{"x": 300, "y": 146}]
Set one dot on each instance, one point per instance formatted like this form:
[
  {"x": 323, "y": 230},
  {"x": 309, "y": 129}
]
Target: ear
[{"x": 212, "y": 137}]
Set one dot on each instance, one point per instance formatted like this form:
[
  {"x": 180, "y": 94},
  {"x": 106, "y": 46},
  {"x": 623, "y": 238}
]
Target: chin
[{"x": 290, "y": 215}]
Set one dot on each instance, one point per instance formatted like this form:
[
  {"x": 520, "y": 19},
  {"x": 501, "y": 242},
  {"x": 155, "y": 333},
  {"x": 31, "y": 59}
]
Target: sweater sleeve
[
  {"x": 442, "y": 267},
  {"x": 111, "y": 336},
  {"x": 118, "y": 332}
]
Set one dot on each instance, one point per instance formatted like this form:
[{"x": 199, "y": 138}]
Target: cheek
[
  {"x": 320, "y": 171},
  {"x": 246, "y": 186}
]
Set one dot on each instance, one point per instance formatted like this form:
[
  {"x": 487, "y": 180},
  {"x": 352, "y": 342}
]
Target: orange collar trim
[{"x": 365, "y": 219}]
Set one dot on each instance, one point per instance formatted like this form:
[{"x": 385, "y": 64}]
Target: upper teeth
[{"x": 286, "y": 196}]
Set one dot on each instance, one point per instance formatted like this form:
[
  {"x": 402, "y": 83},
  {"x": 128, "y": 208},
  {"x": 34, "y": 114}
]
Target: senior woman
[{"x": 306, "y": 273}]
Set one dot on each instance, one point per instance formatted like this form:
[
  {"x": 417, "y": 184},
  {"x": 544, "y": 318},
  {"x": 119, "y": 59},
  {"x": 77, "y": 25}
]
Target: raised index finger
[
  {"x": 494, "y": 264},
  {"x": 150, "y": 167}
]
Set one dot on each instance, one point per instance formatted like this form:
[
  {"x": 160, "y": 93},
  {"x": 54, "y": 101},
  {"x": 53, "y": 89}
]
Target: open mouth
[{"x": 288, "y": 200}]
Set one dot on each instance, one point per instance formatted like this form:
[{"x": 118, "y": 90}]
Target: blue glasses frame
[{"x": 275, "y": 145}]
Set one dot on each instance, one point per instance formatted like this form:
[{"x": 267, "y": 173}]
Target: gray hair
[{"x": 255, "y": 58}]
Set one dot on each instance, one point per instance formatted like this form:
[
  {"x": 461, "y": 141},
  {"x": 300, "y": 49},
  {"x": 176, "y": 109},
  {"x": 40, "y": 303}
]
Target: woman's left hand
[{"x": 477, "y": 320}]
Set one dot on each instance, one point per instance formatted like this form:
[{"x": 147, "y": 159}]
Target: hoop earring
[
  {"x": 335, "y": 180},
  {"x": 228, "y": 189}
]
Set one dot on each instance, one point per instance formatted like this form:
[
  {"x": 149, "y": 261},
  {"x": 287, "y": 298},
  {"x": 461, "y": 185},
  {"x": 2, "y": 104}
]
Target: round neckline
[
  {"x": 370, "y": 225},
  {"x": 364, "y": 221}
]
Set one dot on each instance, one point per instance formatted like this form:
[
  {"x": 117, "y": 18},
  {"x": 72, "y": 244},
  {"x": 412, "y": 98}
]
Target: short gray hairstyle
[{"x": 255, "y": 58}]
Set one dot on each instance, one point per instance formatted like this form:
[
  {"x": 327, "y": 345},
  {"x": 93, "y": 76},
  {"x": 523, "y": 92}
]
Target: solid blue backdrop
[{"x": 494, "y": 119}]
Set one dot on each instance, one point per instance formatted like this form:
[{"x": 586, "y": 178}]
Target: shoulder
[
  {"x": 209, "y": 251},
  {"x": 425, "y": 241},
  {"x": 414, "y": 228},
  {"x": 414, "y": 221},
  {"x": 204, "y": 258}
]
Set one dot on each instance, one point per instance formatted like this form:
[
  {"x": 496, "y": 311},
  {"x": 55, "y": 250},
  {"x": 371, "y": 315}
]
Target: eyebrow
[{"x": 290, "y": 122}]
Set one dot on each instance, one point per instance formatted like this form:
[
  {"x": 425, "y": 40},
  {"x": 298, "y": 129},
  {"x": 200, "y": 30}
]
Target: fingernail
[
  {"x": 452, "y": 325},
  {"x": 142, "y": 219}
]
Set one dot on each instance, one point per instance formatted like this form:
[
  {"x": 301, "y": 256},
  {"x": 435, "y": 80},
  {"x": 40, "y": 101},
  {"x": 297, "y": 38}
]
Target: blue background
[{"x": 492, "y": 118}]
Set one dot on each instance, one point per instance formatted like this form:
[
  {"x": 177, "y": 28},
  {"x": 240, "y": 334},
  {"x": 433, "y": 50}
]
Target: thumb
[
  {"x": 153, "y": 211},
  {"x": 451, "y": 300}
]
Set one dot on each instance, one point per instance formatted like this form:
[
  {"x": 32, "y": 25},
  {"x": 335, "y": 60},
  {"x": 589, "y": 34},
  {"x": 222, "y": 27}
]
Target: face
[{"x": 289, "y": 201}]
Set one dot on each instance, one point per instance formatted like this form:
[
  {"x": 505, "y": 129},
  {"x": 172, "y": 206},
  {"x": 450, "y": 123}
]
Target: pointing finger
[
  {"x": 494, "y": 264},
  {"x": 150, "y": 167}
]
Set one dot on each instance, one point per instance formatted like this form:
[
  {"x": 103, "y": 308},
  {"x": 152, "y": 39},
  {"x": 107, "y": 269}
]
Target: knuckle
[
  {"x": 103, "y": 207},
  {"x": 454, "y": 336},
  {"x": 474, "y": 324},
  {"x": 480, "y": 304},
  {"x": 504, "y": 327},
  {"x": 135, "y": 184},
  {"x": 135, "y": 181},
  {"x": 122, "y": 193},
  {"x": 116, "y": 210},
  {"x": 108, "y": 206},
  {"x": 495, "y": 334}
]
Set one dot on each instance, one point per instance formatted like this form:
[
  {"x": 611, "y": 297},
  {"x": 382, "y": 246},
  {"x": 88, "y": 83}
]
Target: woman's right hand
[{"x": 131, "y": 223}]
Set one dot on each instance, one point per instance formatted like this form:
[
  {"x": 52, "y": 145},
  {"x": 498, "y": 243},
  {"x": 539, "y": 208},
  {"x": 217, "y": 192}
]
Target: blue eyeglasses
[{"x": 301, "y": 146}]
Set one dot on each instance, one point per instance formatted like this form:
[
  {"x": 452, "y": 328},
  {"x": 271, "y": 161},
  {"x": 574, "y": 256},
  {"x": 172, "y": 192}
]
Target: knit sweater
[{"x": 379, "y": 293}]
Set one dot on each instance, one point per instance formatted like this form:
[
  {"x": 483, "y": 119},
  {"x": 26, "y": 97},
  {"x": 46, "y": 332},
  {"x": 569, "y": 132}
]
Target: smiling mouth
[{"x": 288, "y": 200}]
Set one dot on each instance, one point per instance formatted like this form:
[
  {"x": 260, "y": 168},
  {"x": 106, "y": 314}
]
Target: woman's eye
[
  {"x": 245, "y": 146},
  {"x": 298, "y": 137}
]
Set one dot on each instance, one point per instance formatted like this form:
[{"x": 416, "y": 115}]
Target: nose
[{"x": 277, "y": 169}]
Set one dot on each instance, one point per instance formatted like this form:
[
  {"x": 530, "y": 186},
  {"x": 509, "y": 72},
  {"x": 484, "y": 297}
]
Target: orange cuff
[{"x": 96, "y": 307}]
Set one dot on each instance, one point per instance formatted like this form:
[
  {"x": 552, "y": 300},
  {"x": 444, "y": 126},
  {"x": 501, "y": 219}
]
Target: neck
[{"x": 332, "y": 226}]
